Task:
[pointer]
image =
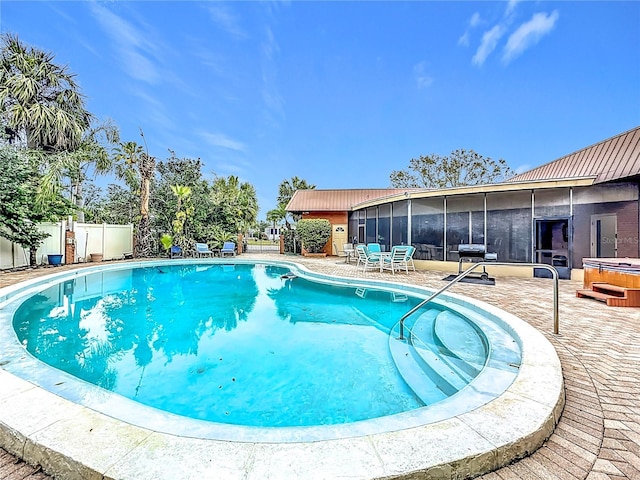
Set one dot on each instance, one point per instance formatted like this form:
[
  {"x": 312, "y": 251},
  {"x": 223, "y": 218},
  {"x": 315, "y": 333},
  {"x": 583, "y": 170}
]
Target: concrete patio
[{"x": 598, "y": 436}]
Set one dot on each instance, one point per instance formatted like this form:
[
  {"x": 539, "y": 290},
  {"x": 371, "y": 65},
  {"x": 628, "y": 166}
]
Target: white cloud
[
  {"x": 528, "y": 34},
  {"x": 423, "y": 79},
  {"x": 511, "y": 5},
  {"x": 474, "y": 21},
  {"x": 135, "y": 47},
  {"x": 224, "y": 18},
  {"x": 464, "y": 39},
  {"x": 489, "y": 42},
  {"x": 222, "y": 141}
]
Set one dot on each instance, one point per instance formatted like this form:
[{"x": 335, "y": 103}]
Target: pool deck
[{"x": 598, "y": 435}]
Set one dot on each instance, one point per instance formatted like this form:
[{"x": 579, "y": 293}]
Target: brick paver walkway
[{"x": 598, "y": 436}]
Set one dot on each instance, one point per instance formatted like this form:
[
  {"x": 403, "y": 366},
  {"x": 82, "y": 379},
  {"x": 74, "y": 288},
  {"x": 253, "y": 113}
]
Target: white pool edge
[{"x": 73, "y": 441}]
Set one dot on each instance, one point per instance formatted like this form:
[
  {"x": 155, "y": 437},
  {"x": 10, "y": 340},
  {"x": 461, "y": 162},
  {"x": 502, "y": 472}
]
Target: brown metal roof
[
  {"x": 338, "y": 200},
  {"x": 612, "y": 159}
]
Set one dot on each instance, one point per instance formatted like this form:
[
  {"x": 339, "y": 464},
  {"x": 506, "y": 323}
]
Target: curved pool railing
[{"x": 554, "y": 273}]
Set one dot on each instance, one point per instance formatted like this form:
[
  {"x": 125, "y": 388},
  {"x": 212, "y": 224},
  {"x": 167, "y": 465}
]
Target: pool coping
[{"x": 77, "y": 442}]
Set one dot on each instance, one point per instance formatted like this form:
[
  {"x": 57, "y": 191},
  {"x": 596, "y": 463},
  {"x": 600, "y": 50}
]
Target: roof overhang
[{"x": 476, "y": 189}]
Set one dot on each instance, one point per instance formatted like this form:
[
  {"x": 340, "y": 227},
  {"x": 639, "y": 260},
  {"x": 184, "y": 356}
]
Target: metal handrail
[{"x": 554, "y": 273}]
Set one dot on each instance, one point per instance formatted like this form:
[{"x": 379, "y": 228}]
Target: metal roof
[
  {"x": 313, "y": 200},
  {"x": 612, "y": 159}
]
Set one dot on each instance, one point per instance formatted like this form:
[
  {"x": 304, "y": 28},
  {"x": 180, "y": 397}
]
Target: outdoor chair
[
  {"x": 228, "y": 248},
  {"x": 373, "y": 248},
  {"x": 203, "y": 249},
  {"x": 349, "y": 251},
  {"x": 400, "y": 257},
  {"x": 175, "y": 252},
  {"x": 339, "y": 253},
  {"x": 366, "y": 258}
]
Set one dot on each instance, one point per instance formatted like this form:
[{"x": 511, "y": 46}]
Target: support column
[{"x": 69, "y": 247}]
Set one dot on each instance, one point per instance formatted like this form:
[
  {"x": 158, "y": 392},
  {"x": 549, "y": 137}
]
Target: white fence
[{"x": 112, "y": 241}]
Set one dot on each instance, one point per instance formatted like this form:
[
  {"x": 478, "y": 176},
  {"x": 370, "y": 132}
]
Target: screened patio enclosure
[{"x": 532, "y": 225}]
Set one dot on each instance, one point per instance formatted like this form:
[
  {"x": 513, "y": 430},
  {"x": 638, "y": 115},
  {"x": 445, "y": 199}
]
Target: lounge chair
[
  {"x": 399, "y": 258},
  {"x": 228, "y": 248},
  {"x": 366, "y": 258},
  {"x": 175, "y": 252},
  {"x": 203, "y": 249}
]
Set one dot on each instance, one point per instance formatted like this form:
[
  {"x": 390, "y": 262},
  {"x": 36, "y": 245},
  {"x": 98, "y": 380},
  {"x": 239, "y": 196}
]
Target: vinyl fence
[{"x": 112, "y": 241}]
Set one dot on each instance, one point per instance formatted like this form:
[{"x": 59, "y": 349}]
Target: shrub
[
  {"x": 291, "y": 242},
  {"x": 314, "y": 234}
]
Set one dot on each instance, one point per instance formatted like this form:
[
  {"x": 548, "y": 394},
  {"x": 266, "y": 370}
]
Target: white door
[{"x": 339, "y": 237}]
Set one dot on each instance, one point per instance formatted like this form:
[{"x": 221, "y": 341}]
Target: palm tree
[
  {"x": 236, "y": 203},
  {"x": 40, "y": 103},
  {"x": 136, "y": 168},
  {"x": 183, "y": 212},
  {"x": 42, "y": 109},
  {"x": 248, "y": 201},
  {"x": 91, "y": 152},
  {"x": 287, "y": 189},
  {"x": 126, "y": 157},
  {"x": 276, "y": 215}
]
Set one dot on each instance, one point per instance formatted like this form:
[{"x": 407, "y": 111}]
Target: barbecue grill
[{"x": 472, "y": 252}]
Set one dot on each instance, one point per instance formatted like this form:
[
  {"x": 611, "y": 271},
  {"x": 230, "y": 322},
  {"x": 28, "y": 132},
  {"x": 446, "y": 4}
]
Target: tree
[
  {"x": 19, "y": 211},
  {"x": 75, "y": 165},
  {"x": 40, "y": 103},
  {"x": 183, "y": 213},
  {"x": 42, "y": 109},
  {"x": 286, "y": 190},
  {"x": 117, "y": 206},
  {"x": 137, "y": 167},
  {"x": 276, "y": 215},
  {"x": 235, "y": 204},
  {"x": 187, "y": 172},
  {"x": 462, "y": 167},
  {"x": 126, "y": 157}
]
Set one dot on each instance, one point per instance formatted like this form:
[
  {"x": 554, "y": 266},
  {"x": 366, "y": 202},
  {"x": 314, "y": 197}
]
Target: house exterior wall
[
  {"x": 335, "y": 218},
  {"x": 620, "y": 199}
]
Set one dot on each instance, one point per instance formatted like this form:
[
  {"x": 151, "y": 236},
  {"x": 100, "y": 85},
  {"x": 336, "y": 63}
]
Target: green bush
[
  {"x": 291, "y": 241},
  {"x": 314, "y": 234}
]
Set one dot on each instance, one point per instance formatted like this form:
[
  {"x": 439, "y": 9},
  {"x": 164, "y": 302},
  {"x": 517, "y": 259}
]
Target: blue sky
[{"x": 342, "y": 93}]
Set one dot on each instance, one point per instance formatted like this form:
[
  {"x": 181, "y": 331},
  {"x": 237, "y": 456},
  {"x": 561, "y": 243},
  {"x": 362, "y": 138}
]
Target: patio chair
[
  {"x": 175, "y": 252},
  {"x": 400, "y": 258},
  {"x": 366, "y": 258},
  {"x": 374, "y": 247},
  {"x": 203, "y": 249},
  {"x": 349, "y": 251},
  {"x": 228, "y": 248}
]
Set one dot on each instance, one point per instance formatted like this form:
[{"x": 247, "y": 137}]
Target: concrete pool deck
[{"x": 599, "y": 347}]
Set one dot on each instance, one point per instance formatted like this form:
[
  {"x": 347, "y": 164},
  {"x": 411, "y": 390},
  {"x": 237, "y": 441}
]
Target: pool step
[
  {"x": 422, "y": 379},
  {"x": 450, "y": 366},
  {"x": 442, "y": 353},
  {"x": 462, "y": 341}
]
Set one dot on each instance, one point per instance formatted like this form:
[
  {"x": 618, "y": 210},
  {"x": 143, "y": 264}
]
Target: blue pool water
[{"x": 240, "y": 344}]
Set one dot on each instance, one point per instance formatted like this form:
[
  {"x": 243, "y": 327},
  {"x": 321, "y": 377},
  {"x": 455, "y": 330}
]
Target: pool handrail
[{"x": 554, "y": 274}]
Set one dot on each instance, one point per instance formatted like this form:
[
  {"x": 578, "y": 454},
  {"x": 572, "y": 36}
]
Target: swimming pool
[{"x": 395, "y": 424}]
